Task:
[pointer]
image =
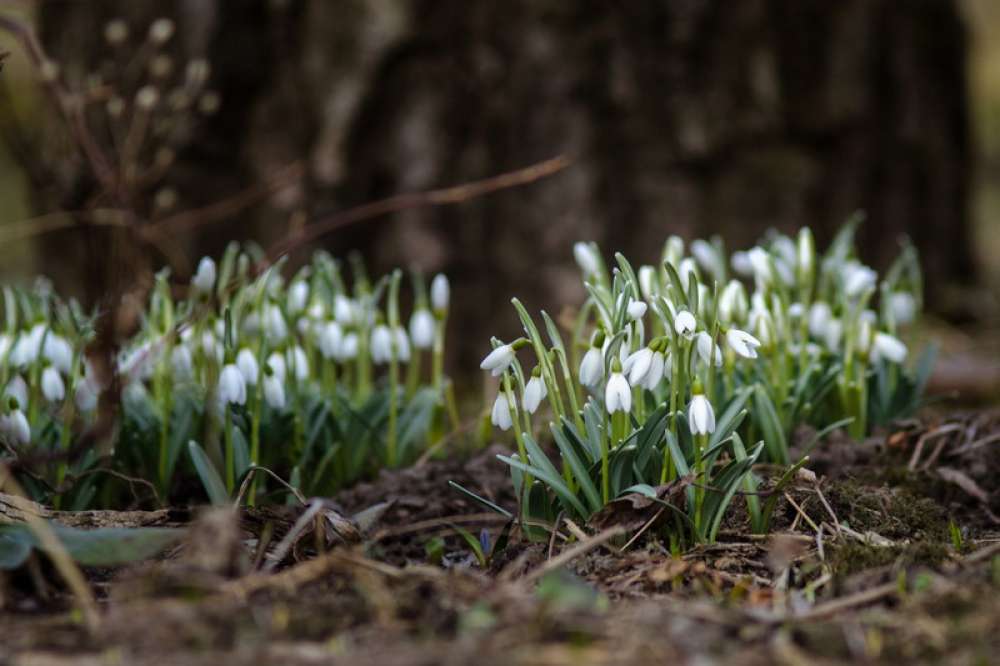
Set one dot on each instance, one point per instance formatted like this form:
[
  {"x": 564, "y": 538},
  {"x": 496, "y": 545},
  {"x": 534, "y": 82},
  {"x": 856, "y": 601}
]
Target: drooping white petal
[
  {"x": 440, "y": 292},
  {"x": 701, "y": 416},
  {"x": 246, "y": 361},
  {"x": 204, "y": 279},
  {"x": 889, "y": 347},
  {"x": 592, "y": 367},
  {"x": 685, "y": 323},
  {"x": 498, "y": 360},
  {"x": 232, "y": 386},
  {"x": 708, "y": 350},
  {"x": 500, "y": 416},
  {"x": 617, "y": 394},
  {"x": 534, "y": 392},
  {"x": 53, "y": 387},
  {"x": 586, "y": 258},
  {"x": 742, "y": 343},
  {"x": 274, "y": 391},
  {"x": 422, "y": 329}
]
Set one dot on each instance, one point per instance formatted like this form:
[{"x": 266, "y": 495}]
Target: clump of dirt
[
  {"x": 896, "y": 513},
  {"x": 854, "y": 557}
]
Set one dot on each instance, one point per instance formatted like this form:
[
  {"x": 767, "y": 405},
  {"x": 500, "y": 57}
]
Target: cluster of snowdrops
[
  {"x": 672, "y": 369},
  {"x": 316, "y": 381}
]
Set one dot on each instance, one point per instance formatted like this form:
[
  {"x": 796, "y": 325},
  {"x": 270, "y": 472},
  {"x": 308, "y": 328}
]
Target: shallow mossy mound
[
  {"x": 896, "y": 513},
  {"x": 855, "y": 557}
]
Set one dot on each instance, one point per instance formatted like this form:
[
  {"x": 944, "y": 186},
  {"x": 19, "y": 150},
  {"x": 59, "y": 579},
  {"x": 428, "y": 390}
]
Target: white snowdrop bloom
[
  {"x": 498, "y": 360},
  {"x": 422, "y": 328},
  {"x": 740, "y": 262},
  {"x": 889, "y": 347},
  {"x": 685, "y": 323},
  {"x": 17, "y": 388},
  {"x": 784, "y": 248},
  {"x": 232, "y": 387},
  {"x": 648, "y": 282},
  {"x": 673, "y": 250},
  {"x": 636, "y": 309},
  {"x": 329, "y": 338},
  {"x": 820, "y": 316},
  {"x": 211, "y": 347},
  {"x": 86, "y": 396},
  {"x": 298, "y": 362},
  {"x": 701, "y": 416},
  {"x": 796, "y": 310},
  {"x": 298, "y": 295},
  {"x": 742, "y": 343},
  {"x": 276, "y": 362},
  {"x": 58, "y": 352},
  {"x": 275, "y": 327},
  {"x": 349, "y": 348},
  {"x": 6, "y": 342},
  {"x": 316, "y": 310},
  {"x": 763, "y": 326},
  {"x": 401, "y": 344},
  {"x": 250, "y": 326},
  {"x": 638, "y": 365},
  {"x": 761, "y": 264},
  {"x": 707, "y": 257},
  {"x": 708, "y": 349},
  {"x": 592, "y": 367},
  {"x": 869, "y": 316},
  {"x": 181, "y": 362},
  {"x": 534, "y": 392},
  {"x": 343, "y": 309},
  {"x": 440, "y": 293},
  {"x": 14, "y": 426},
  {"x": 785, "y": 271},
  {"x": 305, "y": 326},
  {"x": 733, "y": 302},
  {"x": 380, "y": 344},
  {"x": 686, "y": 271},
  {"x": 274, "y": 391},
  {"x": 655, "y": 373},
  {"x": 500, "y": 416},
  {"x": 617, "y": 394},
  {"x": 902, "y": 305},
  {"x": 204, "y": 278},
  {"x": 53, "y": 387},
  {"x": 858, "y": 279},
  {"x": 246, "y": 361},
  {"x": 28, "y": 347},
  {"x": 586, "y": 258}
]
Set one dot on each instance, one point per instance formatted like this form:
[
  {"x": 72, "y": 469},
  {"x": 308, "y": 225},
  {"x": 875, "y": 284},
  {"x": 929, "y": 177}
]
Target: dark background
[{"x": 691, "y": 117}]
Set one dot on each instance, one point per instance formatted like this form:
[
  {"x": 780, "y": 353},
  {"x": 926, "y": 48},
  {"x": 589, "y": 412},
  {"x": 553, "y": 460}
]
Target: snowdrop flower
[
  {"x": 204, "y": 279},
  {"x": 498, "y": 360},
  {"x": 592, "y": 367},
  {"x": 232, "y": 386},
  {"x": 673, "y": 250},
  {"x": 28, "y": 347},
  {"x": 636, "y": 309},
  {"x": 381, "y": 344},
  {"x": 343, "y": 309},
  {"x": 17, "y": 388},
  {"x": 648, "y": 283},
  {"x": 889, "y": 347},
  {"x": 349, "y": 348},
  {"x": 903, "y": 307},
  {"x": 500, "y": 416},
  {"x": 440, "y": 293},
  {"x": 617, "y": 394},
  {"x": 246, "y": 361},
  {"x": 686, "y": 271},
  {"x": 58, "y": 352},
  {"x": 274, "y": 391},
  {"x": 858, "y": 279},
  {"x": 14, "y": 426},
  {"x": 833, "y": 334},
  {"x": 5, "y": 344},
  {"x": 685, "y": 323},
  {"x": 796, "y": 310},
  {"x": 422, "y": 328},
  {"x": 701, "y": 416},
  {"x": 53, "y": 387},
  {"x": 277, "y": 365},
  {"x": 298, "y": 294},
  {"x": 181, "y": 362},
  {"x": 316, "y": 310},
  {"x": 742, "y": 343},
  {"x": 401, "y": 344},
  {"x": 329, "y": 339},
  {"x": 587, "y": 258},
  {"x": 733, "y": 302},
  {"x": 534, "y": 392},
  {"x": 211, "y": 347},
  {"x": 762, "y": 324},
  {"x": 740, "y": 262},
  {"x": 865, "y": 333},
  {"x": 820, "y": 316},
  {"x": 785, "y": 249},
  {"x": 707, "y": 348},
  {"x": 275, "y": 327},
  {"x": 299, "y": 363},
  {"x": 708, "y": 258},
  {"x": 644, "y": 368},
  {"x": 761, "y": 265}
]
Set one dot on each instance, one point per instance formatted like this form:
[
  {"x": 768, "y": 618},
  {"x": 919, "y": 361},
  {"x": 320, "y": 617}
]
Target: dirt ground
[{"x": 888, "y": 552}]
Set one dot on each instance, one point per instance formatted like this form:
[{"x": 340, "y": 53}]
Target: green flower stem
[
  {"x": 393, "y": 322},
  {"x": 437, "y": 359},
  {"x": 413, "y": 373},
  {"x": 256, "y": 407},
  {"x": 230, "y": 458},
  {"x": 701, "y": 480}
]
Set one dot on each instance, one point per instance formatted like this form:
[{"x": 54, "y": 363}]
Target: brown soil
[{"x": 891, "y": 554}]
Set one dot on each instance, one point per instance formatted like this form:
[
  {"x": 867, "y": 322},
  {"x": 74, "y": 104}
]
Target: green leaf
[
  {"x": 769, "y": 423},
  {"x": 481, "y": 500},
  {"x": 16, "y": 544},
  {"x": 577, "y": 467},
  {"x": 101, "y": 547},
  {"x": 210, "y": 479},
  {"x": 554, "y": 482}
]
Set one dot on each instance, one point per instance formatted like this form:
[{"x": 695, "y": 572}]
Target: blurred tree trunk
[{"x": 691, "y": 117}]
